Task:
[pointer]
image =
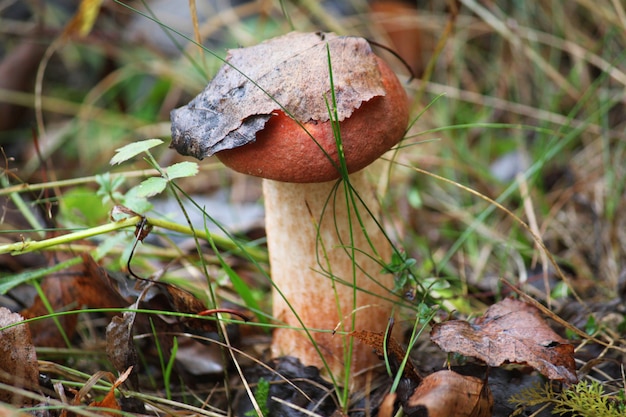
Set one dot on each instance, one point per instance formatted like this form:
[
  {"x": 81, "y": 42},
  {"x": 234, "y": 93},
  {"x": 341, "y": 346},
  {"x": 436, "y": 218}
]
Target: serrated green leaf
[
  {"x": 182, "y": 169},
  {"x": 151, "y": 186},
  {"x": 135, "y": 202},
  {"x": 132, "y": 149},
  {"x": 108, "y": 187}
]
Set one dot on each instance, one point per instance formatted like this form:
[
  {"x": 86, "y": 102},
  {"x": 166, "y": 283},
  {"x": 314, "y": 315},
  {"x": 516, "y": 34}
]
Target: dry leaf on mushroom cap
[{"x": 270, "y": 75}]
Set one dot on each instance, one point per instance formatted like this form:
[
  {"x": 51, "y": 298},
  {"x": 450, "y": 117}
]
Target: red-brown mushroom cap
[{"x": 284, "y": 151}]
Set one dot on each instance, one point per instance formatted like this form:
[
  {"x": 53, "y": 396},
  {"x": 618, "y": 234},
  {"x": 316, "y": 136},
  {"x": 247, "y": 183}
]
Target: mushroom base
[{"x": 327, "y": 273}]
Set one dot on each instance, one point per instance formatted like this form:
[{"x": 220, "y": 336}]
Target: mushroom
[{"x": 326, "y": 247}]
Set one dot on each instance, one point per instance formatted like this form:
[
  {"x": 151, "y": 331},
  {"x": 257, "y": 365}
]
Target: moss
[{"x": 582, "y": 399}]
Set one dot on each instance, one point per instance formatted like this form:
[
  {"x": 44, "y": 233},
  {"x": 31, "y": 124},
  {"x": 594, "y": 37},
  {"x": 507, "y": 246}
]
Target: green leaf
[
  {"x": 151, "y": 186},
  {"x": 82, "y": 204},
  {"x": 108, "y": 190},
  {"x": 132, "y": 149},
  {"x": 591, "y": 327},
  {"x": 182, "y": 169},
  {"x": 135, "y": 202}
]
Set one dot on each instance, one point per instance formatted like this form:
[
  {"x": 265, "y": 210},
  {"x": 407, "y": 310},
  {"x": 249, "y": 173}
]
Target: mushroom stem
[{"x": 321, "y": 258}]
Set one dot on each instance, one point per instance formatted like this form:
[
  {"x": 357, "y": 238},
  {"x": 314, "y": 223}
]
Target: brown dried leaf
[
  {"x": 84, "y": 284},
  {"x": 120, "y": 346},
  {"x": 96, "y": 288},
  {"x": 291, "y": 70},
  {"x": 387, "y": 406},
  {"x": 109, "y": 400},
  {"x": 18, "y": 360},
  {"x": 395, "y": 352},
  {"x": 168, "y": 297},
  {"x": 185, "y": 302},
  {"x": 171, "y": 298},
  {"x": 446, "y": 393},
  {"x": 510, "y": 331}
]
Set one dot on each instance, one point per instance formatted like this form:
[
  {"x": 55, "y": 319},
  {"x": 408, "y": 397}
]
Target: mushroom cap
[{"x": 285, "y": 151}]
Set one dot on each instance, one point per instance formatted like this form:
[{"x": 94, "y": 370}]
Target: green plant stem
[
  {"x": 27, "y": 246},
  {"x": 26, "y": 276},
  {"x": 220, "y": 241},
  {"x": 22, "y": 188},
  {"x": 57, "y": 322},
  {"x": 19, "y": 248}
]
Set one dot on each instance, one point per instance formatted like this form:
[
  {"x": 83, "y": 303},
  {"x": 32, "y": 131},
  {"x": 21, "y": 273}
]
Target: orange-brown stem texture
[{"x": 311, "y": 240}]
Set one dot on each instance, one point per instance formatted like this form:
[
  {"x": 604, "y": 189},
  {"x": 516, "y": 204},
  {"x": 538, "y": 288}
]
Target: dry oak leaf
[
  {"x": 446, "y": 393},
  {"x": 290, "y": 73},
  {"x": 510, "y": 331}
]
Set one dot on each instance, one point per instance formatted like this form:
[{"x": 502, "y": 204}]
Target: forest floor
[{"x": 144, "y": 276}]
